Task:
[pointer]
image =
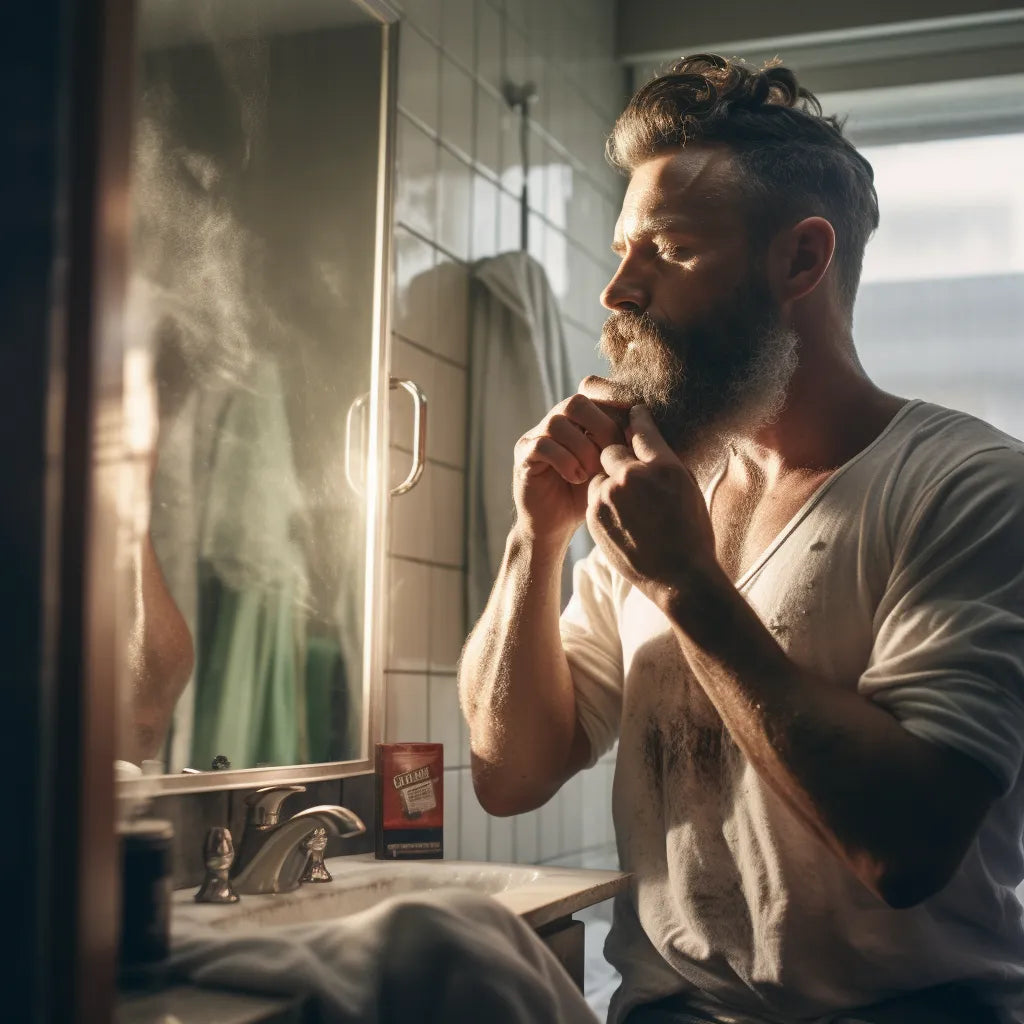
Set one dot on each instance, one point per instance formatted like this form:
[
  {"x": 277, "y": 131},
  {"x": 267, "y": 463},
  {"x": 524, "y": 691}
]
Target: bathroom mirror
[{"x": 256, "y": 369}]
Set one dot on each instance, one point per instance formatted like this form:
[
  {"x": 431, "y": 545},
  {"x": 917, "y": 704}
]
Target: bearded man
[{"x": 803, "y": 619}]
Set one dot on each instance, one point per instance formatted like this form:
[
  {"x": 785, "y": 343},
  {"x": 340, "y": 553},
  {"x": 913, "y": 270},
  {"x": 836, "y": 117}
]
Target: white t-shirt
[{"x": 902, "y": 577}]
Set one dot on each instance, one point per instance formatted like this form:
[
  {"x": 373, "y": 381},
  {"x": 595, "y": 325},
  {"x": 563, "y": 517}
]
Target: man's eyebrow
[
  {"x": 670, "y": 224},
  {"x": 673, "y": 224}
]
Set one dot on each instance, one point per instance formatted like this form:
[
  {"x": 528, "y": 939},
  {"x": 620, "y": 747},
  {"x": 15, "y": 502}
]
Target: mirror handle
[
  {"x": 357, "y": 408},
  {"x": 419, "y": 429}
]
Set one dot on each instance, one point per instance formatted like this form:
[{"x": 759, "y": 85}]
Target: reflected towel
[{"x": 249, "y": 697}]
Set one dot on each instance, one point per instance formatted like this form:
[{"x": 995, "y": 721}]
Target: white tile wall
[
  {"x": 458, "y": 31},
  {"x": 447, "y": 618},
  {"x": 490, "y": 114},
  {"x": 489, "y": 45},
  {"x": 572, "y": 815},
  {"x": 447, "y": 515},
  {"x": 484, "y": 241},
  {"x": 451, "y": 329},
  {"x": 408, "y": 616},
  {"x": 472, "y": 821},
  {"x": 412, "y": 514},
  {"x": 549, "y": 828},
  {"x": 445, "y": 724},
  {"x": 419, "y": 73},
  {"x": 501, "y": 839},
  {"x": 415, "y": 305},
  {"x": 406, "y": 707},
  {"x": 452, "y": 801},
  {"x": 416, "y": 185},
  {"x": 457, "y": 200},
  {"x": 457, "y": 95},
  {"x": 527, "y": 837},
  {"x": 454, "y": 206},
  {"x": 446, "y": 440}
]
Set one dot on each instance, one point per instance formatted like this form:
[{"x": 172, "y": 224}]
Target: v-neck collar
[{"x": 820, "y": 491}]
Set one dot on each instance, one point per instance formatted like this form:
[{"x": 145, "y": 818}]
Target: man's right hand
[{"x": 555, "y": 461}]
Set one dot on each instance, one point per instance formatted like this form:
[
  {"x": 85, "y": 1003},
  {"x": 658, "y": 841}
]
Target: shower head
[{"x": 520, "y": 96}]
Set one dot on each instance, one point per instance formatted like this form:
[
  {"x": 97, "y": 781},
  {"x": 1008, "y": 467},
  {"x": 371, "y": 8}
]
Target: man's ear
[{"x": 802, "y": 256}]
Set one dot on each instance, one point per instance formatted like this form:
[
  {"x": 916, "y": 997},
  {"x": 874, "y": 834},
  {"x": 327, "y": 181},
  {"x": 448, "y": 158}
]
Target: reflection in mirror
[{"x": 254, "y": 201}]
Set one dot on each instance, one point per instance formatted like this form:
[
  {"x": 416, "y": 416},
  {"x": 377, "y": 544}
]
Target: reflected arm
[{"x": 161, "y": 656}]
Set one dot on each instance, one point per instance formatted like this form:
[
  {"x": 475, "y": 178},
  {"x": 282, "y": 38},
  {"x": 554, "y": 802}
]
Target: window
[{"x": 940, "y": 313}]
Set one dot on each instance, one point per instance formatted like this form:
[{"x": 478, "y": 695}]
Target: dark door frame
[{"x": 66, "y": 82}]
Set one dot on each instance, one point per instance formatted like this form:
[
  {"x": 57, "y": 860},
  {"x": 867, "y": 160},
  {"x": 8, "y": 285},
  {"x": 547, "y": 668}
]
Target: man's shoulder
[
  {"x": 929, "y": 425},
  {"x": 932, "y": 443},
  {"x": 949, "y": 464}
]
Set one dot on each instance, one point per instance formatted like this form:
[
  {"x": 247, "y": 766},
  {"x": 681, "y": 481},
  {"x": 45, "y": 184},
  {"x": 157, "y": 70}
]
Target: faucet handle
[
  {"x": 218, "y": 854},
  {"x": 265, "y": 805},
  {"x": 315, "y": 844}
]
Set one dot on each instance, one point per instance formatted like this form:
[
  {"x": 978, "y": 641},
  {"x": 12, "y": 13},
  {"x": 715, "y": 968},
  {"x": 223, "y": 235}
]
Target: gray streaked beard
[{"x": 723, "y": 376}]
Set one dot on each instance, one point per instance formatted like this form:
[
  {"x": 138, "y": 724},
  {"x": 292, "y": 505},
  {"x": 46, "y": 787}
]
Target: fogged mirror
[{"x": 256, "y": 275}]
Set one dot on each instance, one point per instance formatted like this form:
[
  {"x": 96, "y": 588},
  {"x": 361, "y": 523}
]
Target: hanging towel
[{"x": 519, "y": 369}]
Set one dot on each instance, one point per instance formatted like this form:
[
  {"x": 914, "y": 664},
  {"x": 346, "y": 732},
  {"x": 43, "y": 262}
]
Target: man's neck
[{"x": 832, "y": 412}]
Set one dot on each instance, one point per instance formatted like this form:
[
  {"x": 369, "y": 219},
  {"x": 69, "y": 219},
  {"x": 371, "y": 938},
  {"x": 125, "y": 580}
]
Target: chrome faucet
[{"x": 273, "y": 855}]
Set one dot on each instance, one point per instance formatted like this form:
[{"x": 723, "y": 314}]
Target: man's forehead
[{"x": 696, "y": 184}]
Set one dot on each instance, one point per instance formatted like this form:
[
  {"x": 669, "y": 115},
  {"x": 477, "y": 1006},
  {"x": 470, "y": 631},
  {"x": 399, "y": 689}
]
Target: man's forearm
[
  {"x": 885, "y": 801},
  {"x": 515, "y": 686}
]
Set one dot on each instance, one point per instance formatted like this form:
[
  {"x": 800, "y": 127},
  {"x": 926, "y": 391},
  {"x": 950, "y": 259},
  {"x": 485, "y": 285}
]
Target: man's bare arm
[
  {"x": 515, "y": 686},
  {"x": 899, "y": 811},
  {"x": 514, "y": 680}
]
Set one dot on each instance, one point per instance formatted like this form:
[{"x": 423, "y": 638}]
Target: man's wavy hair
[{"x": 793, "y": 161}]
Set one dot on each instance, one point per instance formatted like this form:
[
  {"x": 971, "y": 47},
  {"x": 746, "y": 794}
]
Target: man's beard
[{"x": 721, "y": 376}]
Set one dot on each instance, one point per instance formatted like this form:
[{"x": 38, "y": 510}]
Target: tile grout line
[
  {"x": 420, "y": 346},
  {"x": 430, "y": 458}
]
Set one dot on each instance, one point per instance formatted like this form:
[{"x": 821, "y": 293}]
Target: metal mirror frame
[{"x": 375, "y": 612}]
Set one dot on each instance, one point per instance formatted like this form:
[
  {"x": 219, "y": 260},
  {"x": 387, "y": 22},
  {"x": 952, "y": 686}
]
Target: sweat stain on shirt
[{"x": 683, "y": 733}]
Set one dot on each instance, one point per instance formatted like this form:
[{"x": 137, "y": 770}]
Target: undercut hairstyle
[{"x": 793, "y": 162}]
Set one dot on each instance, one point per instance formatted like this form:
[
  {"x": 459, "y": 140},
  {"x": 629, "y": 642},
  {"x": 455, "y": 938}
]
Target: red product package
[{"x": 410, "y": 800}]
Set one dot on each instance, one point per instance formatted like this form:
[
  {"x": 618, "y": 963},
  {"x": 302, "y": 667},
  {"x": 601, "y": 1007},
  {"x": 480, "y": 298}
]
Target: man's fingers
[
  {"x": 594, "y": 420},
  {"x": 611, "y": 398},
  {"x": 537, "y": 453},
  {"x": 601, "y": 389},
  {"x": 616, "y": 457},
  {"x": 648, "y": 444},
  {"x": 571, "y": 437},
  {"x": 618, "y": 414}
]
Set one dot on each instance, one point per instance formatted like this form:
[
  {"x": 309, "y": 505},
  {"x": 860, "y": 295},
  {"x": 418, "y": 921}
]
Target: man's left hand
[{"x": 649, "y": 517}]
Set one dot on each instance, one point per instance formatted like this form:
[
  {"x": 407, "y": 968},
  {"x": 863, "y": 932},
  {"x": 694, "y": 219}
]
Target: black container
[{"x": 145, "y": 900}]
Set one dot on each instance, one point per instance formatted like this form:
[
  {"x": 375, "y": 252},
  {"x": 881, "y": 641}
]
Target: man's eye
[{"x": 676, "y": 253}]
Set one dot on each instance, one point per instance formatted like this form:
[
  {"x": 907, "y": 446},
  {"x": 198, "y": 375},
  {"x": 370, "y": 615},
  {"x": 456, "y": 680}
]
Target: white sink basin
[{"x": 537, "y": 894}]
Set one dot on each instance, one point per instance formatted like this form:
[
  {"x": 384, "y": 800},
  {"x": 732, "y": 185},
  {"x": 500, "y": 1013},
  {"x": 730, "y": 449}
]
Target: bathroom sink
[{"x": 537, "y": 894}]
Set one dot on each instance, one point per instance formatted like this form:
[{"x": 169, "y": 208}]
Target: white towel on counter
[
  {"x": 442, "y": 957},
  {"x": 519, "y": 369}
]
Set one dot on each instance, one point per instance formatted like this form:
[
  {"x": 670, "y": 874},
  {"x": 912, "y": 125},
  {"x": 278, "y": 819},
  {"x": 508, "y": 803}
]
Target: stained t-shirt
[{"x": 902, "y": 577}]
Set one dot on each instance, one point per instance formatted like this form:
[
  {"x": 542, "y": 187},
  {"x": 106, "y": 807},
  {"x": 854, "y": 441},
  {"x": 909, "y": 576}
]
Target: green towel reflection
[
  {"x": 250, "y": 693},
  {"x": 266, "y": 693},
  {"x": 327, "y": 701}
]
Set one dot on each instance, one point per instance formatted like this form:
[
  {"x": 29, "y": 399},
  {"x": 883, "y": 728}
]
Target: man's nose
[{"x": 625, "y": 292}]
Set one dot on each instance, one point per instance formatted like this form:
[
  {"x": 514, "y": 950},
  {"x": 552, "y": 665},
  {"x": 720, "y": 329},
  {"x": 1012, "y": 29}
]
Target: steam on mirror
[{"x": 250, "y": 332}]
